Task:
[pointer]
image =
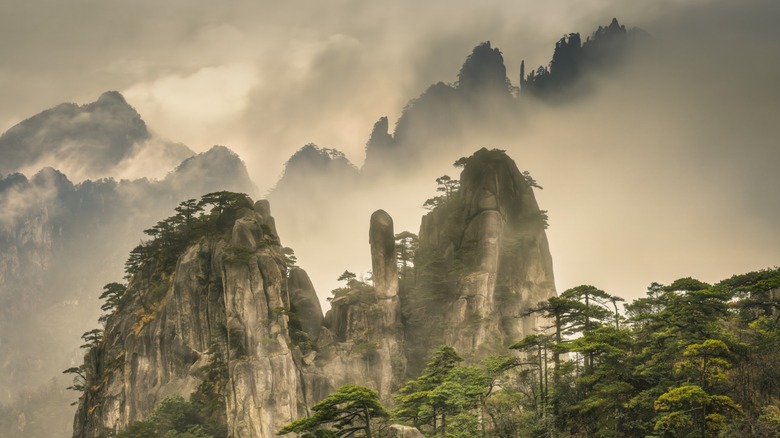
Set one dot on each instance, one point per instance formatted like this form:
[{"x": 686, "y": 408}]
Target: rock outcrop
[
  {"x": 483, "y": 260},
  {"x": 226, "y": 290},
  {"x": 60, "y": 242},
  {"x": 304, "y": 302},
  {"x": 400, "y": 431},
  {"x": 231, "y": 300}
]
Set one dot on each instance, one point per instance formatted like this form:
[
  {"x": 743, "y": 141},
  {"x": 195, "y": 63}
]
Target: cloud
[
  {"x": 315, "y": 65},
  {"x": 667, "y": 170},
  {"x": 22, "y": 199},
  {"x": 677, "y": 149},
  {"x": 153, "y": 158},
  {"x": 191, "y": 107}
]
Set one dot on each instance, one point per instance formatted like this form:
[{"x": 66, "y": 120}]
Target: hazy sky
[{"x": 669, "y": 169}]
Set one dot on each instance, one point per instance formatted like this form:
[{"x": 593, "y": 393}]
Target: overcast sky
[{"x": 669, "y": 169}]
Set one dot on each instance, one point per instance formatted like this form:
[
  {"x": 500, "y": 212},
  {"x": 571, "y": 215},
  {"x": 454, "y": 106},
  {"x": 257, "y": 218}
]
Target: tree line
[{"x": 689, "y": 359}]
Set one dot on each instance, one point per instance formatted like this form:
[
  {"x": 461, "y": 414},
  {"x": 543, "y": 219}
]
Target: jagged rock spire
[
  {"x": 484, "y": 71},
  {"x": 383, "y": 259}
]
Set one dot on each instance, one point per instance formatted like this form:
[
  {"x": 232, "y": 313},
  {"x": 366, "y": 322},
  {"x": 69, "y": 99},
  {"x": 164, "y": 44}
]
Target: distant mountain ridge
[
  {"x": 60, "y": 240},
  {"x": 572, "y": 59},
  {"x": 451, "y": 118},
  {"x": 66, "y": 226},
  {"x": 447, "y": 121},
  {"x": 88, "y": 141},
  {"x": 63, "y": 237}
]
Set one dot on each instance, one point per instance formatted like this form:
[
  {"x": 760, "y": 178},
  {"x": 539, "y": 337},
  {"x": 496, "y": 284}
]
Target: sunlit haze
[{"x": 665, "y": 169}]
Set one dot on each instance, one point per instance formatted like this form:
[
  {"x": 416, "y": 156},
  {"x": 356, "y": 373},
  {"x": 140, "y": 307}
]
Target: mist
[
  {"x": 662, "y": 170},
  {"x": 665, "y": 168}
]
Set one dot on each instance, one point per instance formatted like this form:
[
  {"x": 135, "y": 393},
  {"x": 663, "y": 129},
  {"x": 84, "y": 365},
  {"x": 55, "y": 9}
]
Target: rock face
[
  {"x": 382, "y": 242},
  {"x": 399, "y": 431},
  {"x": 305, "y": 303},
  {"x": 231, "y": 299},
  {"x": 60, "y": 242},
  {"x": 487, "y": 254},
  {"x": 225, "y": 290}
]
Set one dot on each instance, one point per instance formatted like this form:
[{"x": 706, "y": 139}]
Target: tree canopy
[{"x": 349, "y": 410}]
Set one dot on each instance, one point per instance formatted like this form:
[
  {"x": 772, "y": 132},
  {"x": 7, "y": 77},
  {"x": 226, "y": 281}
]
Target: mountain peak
[
  {"x": 112, "y": 97},
  {"x": 313, "y": 168},
  {"x": 615, "y": 26},
  {"x": 484, "y": 70},
  {"x": 573, "y": 59},
  {"x": 84, "y": 141},
  {"x": 217, "y": 167}
]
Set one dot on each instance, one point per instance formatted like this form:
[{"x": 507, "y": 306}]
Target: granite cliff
[
  {"x": 232, "y": 299},
  {"x": 60, "y": 241}
]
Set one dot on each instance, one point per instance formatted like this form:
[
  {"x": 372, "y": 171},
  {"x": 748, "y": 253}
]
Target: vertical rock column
[
  {"x": 385, "y": 274},
  {"x": 261, "y": 395},
  {"x": 493, "y": 238},
  {"x": 383, "y": 262}
]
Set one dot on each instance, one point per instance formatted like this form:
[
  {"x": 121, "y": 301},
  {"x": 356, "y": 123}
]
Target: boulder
[{"x": 400, "y": 431}]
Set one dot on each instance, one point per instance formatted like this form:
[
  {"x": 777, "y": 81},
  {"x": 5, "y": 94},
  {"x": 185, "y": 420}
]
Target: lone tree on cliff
[
  {"x": 447, "y": 186},
  {"x": 347, "y": 277},
  {"x": 349, "y": 410}
]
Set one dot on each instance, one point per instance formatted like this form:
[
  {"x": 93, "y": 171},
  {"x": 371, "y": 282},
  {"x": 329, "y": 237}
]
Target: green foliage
[
  {"x": 209, "y": 398},
  {"x": 530, "y": 180},
  {"x": 92, "y": 338},
  {"x": 298, "y": 335},
  {"x": 406, "y": 246},
  {"x": 423, "y": 305},
  {"x": 689, "y": 411},
  {"x": 463, "y": 425},
  {"x": 112, "y": 295},
  {"x": 350, "y": 409},
  {"x": 448, "y": 187},
  {"x": 444, "y": 390},
  {"x": 758, "y": 292},
  {"x": 347, "y": 277},
  {"x": 79, "y": 380},
  {"x": 770, "y": 420},
  {"x": 452, "y": 400},
  {"x": 356, "y": 292},
  {"x": 365, "y": 349},
  {"x": 705, "y": 363},
  {"x": 689, "y": 359},
  {"x": 172, "y": 418},
  {"x": 171, "y": 236}
]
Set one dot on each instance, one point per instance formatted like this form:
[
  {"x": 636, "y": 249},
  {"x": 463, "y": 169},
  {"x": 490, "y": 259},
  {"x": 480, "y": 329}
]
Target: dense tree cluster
[
  {"x": 687, "y": 360},
  {"x": 174, "y": 417},
  {"x": 170, "y": 236},
  {"x": 350, "y": 411}
]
